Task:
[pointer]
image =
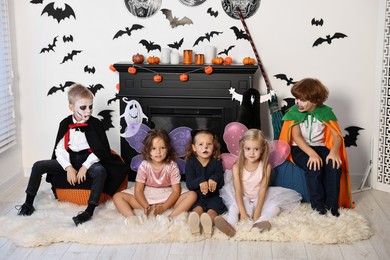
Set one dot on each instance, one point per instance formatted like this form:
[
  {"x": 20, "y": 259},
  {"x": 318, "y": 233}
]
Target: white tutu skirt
[
  {"x": 155, "y": 195},
  {"x": 285, "y": 199}
]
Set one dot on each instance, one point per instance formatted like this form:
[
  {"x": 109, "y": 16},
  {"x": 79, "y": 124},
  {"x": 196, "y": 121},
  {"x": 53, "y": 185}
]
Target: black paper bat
[
  {"x": 36, "y": 1},
  {"x": 212, "y": 13},
  {"x": 58, "y": 13},
  {"x": 317, "y": 22},
  {"x": 89, "y": 70},
  {"x": 67, "y": 38},
  {"x": 95, "y": 88},
  {"x": 226, "y": 51},
  {"x": 113, "y": 99},
  {"x": 284, "y": 77},
  {"x": 351, "y": 137},
  {"x": 207, "y": 36},
  {"x": 289, "y": 103},
  {"x": 106, "y": 118},
  {"x": 54, "y": 89},
  {"x": 174, "y": 21},
  {"x": 69, "y": 56},
  {"x": 149, "y": 45},
  {"x": 240, "y": 34},
  {"x": 329, "y": 39},
  {"x": 176, "y": 45},
  {"x": 127, "y": 30},
  {"x": 50, "y": 47}
]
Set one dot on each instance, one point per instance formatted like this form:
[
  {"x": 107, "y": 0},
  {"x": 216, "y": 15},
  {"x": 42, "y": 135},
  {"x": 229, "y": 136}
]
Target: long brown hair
[
  {"x": 148, "y": 141},
  {"x": 217, "y": 147}
]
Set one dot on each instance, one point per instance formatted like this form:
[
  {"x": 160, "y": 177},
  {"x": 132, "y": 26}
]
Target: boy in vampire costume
[{"x": 81, "y": 149}]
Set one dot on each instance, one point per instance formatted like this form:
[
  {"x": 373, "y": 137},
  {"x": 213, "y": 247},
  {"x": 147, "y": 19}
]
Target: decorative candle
[
  {"x": 187, "y": 57},
  {"x": 165, "y": 55},
  {"x": 209, "y": 54},
  {"x": 199, "y": 59},
  {"x": 175, "y": 58}
]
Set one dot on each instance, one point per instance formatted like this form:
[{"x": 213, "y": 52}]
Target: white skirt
[{"x": 155, "y": 195}]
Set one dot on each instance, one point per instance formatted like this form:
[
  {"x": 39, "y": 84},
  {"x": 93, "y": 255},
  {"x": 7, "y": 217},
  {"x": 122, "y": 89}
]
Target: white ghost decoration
[{"x": 133, "y": 115}]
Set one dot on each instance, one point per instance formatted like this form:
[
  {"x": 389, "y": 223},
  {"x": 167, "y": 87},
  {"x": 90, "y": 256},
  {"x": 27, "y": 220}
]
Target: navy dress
[{"x": 196, "y": 174}]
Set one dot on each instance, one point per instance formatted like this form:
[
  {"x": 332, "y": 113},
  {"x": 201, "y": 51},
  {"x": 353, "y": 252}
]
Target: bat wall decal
[
  {"x": 149, "y": 45},
  {"x": 329, "y": 39},
  {"x": 317, "y": 22},
  {"x": 106, "y": 118},
  {"x": 176, "y": 45},
  {"x": 240, "y": 34},
  {"x": 58, "y": 14},
  {"x": 285, "y": 78},
  {"x": 128, "y": 30},
  {"x": 50, "y": 47},
  {"x": 89, "y": 70},
  {"x": 207, "y": 36},
  {"x": 67, "y": 38},
  {"x": 289, "y": 103},
  {"x": 351, "y": 138},
  {"x": 113, "y": 99},
  {"x": 36, "y": 1},
  {"x": 226, "y": 51},
  {"x": 174, "y": 21},
  {"x": 212, "y": 13},
  {"x": 54, "y": 89},
  {"x": 70, "y": 56},
  {"x": 94, "y": 88}
]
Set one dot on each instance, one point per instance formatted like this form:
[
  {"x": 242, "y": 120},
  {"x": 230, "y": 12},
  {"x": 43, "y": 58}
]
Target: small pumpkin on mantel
[
  {"x": 132, "y": 70},
  {"x": 248, "y": 61},
  {"x": 138, "y": 58},
  {"x": 217, "y": 60},
  {"x": 208, "y": 70},
  {"x": 183, "y": 77},
  {"x": 153, "y": 60}
]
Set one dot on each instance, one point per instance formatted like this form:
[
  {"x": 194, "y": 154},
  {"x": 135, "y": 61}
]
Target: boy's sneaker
[
  {"x": 224, "y": 226},
  {"x": 335, "y": 212},
  {"x": 25, "y": 209},
  {"x": 207, "y": 224},
  {"x": 193, "y": 222},
  {"x": 81, "y": 218},
  {"x": 262, "y": 226}
]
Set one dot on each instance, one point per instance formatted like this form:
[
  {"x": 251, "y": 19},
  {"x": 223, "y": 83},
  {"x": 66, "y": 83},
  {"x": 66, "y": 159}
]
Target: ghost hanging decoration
[{"x": 134, "y": 116}]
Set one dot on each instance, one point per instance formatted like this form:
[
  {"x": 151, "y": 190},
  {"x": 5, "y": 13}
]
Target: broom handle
[{"x": 259, "y": 63}]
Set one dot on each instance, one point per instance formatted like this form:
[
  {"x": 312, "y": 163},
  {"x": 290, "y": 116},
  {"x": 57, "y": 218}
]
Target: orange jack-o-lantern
[
  {"x": 228, "y": 60},
  {"x": 248, "y": 61},
  {"x": 208, "y": 70},
  {"x": 157, "y": 78},
  {"x": 183, "y": 77},
  {"x": 132, "y": 70}
]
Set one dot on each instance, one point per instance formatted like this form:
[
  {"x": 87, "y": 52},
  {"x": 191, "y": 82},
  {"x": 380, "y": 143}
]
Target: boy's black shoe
[
  {"x": 321, "y": 211},
  {"x": 81, "y": 218},
  {"x": 26, "y": 210},
  {"x": 335, "y": 212}
]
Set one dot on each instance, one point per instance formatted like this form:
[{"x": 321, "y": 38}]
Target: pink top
[
  {"x": 251, "y": 182},
  {"x": 168, "y": 175}
]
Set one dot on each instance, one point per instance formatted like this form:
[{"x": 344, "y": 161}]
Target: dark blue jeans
[
  {"x": 323, "y": 184},
  {"x": 97, "y": 172}
]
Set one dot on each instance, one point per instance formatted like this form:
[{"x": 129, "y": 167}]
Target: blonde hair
[
  {"x": 78, "y": 91},
  {"x": 217, "y": 147},
  {"x": 255, "y": 135}
]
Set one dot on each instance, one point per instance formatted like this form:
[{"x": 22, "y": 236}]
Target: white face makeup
[{"x": 82, "y": 109}]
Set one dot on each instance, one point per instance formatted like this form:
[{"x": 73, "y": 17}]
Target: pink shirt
[
  {"x": 168, "y": 175},
  {"x": 251, "y": 182}
]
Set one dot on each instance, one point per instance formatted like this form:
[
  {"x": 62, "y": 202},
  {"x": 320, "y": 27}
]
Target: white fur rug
[{"x": 52, "y": 223}]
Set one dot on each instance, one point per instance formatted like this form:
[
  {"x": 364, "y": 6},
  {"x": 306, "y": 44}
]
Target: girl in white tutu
[
  {"x": 247, "y": 194},
  {"x": 157, "y": 185}
]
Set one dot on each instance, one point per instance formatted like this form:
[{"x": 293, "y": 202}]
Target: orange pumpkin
[
  {"x": 228, "y": 60},
  {"x": 132, "y": 70},
  {"x": 157, "y": 78},
  {"x": 208, "y": 70},
  {"x": 217, "y": 60},
  {"x": 153, "y": 60},
  {"x": 183, "y": 77},
  {"x": 138, "y": 58},
  {"x": 112, "y": 68},
  {"x": 248, "y": 61}
]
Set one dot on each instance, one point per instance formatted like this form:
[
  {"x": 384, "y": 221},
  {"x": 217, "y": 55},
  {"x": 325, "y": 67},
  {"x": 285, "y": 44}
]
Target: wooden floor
[{"x": 373, "y": 204}]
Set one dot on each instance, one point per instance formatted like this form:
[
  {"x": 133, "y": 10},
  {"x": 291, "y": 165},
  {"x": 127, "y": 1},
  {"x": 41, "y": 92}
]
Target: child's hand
[
  {"x": 336, "y": 160},
  {"x": 244, "y": 216},
  {"x": 204, "y": 187},
  {"x": 82, "y": 174},
  {"x": 159, "y": 209},
  {"x": 212, "y": 185},
  {"x": 71, "y": 175},
  {"x": 314, "y": 162}
]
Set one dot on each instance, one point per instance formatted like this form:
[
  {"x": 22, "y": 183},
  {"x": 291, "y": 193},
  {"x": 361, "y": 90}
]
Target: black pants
[
  {"x": 97, "y": 172},
  {"x": 323, "y": 184}
]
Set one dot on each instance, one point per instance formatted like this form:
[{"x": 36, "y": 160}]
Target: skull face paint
[{"x": 82, "y": 109}]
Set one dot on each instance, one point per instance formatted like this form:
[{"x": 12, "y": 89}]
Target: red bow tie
[{"x": 76, "y": 126}]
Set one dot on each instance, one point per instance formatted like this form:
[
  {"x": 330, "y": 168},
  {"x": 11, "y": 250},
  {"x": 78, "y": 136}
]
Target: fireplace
[{"x": 204, "y": 101}]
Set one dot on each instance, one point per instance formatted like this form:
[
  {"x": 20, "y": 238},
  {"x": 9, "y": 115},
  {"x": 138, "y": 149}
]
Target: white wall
[{"x": 281, "y": 30}]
